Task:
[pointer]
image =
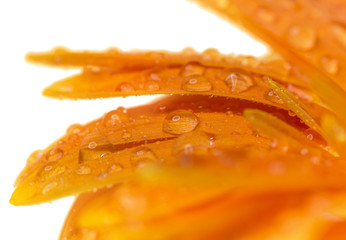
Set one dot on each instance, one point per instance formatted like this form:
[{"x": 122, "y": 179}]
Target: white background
[{"x": 29, "y": 121}]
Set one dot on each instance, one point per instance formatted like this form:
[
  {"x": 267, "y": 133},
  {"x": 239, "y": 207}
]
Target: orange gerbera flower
[{"x": 241, "y": 148}]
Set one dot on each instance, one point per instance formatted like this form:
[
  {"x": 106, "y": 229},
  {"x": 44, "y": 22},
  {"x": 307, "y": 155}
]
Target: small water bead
[
  {"x": 339, "y": 31},
  {"x": 115, "y": 168},
  {"x": 265, "y": 15},
  {"x": 151, "y": 86},
  {"x": 310, "y": 137},
  {"x": 126, "y": 135},
  {"x": 196, "y": 83},
  {"x": 141, "y": 156},
  {"x": 330, "y": 65},
  {"x": 272, "y": 96},
  {"x": 192, "y": 143},
  {"x": 192, "y": 68},
  {"x": 302, "y": 37},
  {"x": 83, "y": 170},
  {"x": 115, "y": 117},
  {"x": 180, "y": 121},
  {"x": 211, "y": 54},
  {"x": 239, "y": 82},
  {"x": 54, "y": 154},
  {"x": 291, "y": 113},
  {"x": 49, "y": 187},
  {"x": 48, "y": 168},
  {"x": 92, "y": 145},
  {"x": 126, "y": 87}
]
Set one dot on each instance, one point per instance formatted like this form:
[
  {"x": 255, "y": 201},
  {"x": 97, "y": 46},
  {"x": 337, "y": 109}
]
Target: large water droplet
[
  {"x": 339, "y": 31},
  {"x": 141, "y": 156},
  {"x": 272, "y": 96},
  {"x": 126, "y": 87},
  {"x": 180, "y": 121},
  {"x": 115, "y": 117},
  {"x": 49, "y": 187},
  {"x": 192, "y": 68},
  {"x": 239, "y": 82},
  {"x": 330, "y": 65},
  {"x": 302, "y": 37},
  {"x": 54, "y": 154},
  {"x": 196, "y": 83},
  {"x": 265, "y": 15}
]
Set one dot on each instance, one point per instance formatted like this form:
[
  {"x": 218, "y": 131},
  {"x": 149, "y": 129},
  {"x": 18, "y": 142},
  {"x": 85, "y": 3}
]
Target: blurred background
[{"x": 29, "y": 121}]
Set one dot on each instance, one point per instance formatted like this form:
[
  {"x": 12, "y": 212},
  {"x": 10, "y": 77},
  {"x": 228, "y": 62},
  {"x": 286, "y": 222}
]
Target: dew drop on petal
[
  {"x": 180, "y": 121},
  {"x": 330, "y": 65},
  {"x": 191, "y": 143},
  {"x": 48, "y": 168},
  {"x": 141, "y": 156},
  {"x": 196, "y": 83},
  {"x": 151, "y": 86},
  {"x": 92, "y": 145},
  {"x": 48, "y": 187},
  {"x": 302, "y": 37},
  {"x": 211, "y": 54},
  {"x": 192, "y": 68},
  {"x": 83, "y": 170},
  {"x": 115, "y": 168},
  {"x": 272, "y": 96},
  {"x": 115, "y": 117},
  {"x": 54, "y": 154},
  {"x": 126, "y": 87},
  {"x": 239, "y": 82}
]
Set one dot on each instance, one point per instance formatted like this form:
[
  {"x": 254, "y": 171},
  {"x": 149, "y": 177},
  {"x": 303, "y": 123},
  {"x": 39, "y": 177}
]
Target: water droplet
[
  {"x": 54, "y": 154},
  {"x": 330, "y": 65},
  {"x": 83, "y": 170},
  {"x": 152, "y": 86},
  {"x": 196, "y": 83},
  {"x": 192, "y": 68},
  {"x": 126, "y": 87},
  {"x": 272, "y": 96},
  {"x": 126, "y": 135},
  {"x": 310, "y": 137},
  {"x": 48, "y": 168},
  {"x": 115, "y": 117},
  {"x": 291, "y": 113},
  {"x": 141, "y": 156},
  {"x": 92, "y": 145},
  {"x": 191, "y": 143},
  {"x": 339, "y": 31},
  {"x": 265, "y": 15},
  {"x": 211, "y": 54},
  {"x": 180, "y": 121},
  {"x": 73, "y": 129},
  {"x": 304, "y": 151},
  {"x": 153, "y": 77},
  {"x": 239, "y": 82},
  {"x": 115, "y": 168},
  {"x": 34, "y": 157},
  {"x": 302, "y": 37},
  {"x": 49, "y": 187}
]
